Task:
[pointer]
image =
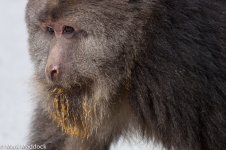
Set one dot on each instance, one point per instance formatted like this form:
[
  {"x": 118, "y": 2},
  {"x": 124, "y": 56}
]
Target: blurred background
[{"x": 15, "y": 74}]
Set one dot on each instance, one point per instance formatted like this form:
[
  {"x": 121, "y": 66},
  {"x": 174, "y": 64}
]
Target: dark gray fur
[{"x": 160, "y": 64}]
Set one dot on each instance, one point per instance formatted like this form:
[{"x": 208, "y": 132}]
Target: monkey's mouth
[{"x": 69, "y": 109}]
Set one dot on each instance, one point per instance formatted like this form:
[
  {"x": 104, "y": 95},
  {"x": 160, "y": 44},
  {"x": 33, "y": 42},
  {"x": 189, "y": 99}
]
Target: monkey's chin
[{"x": 74, "y": 121}]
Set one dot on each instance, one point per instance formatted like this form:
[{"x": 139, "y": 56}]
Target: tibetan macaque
[{"x": 106, "y": 69}]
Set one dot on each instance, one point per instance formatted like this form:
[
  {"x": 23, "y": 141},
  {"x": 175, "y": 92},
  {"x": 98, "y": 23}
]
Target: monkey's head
[{"x": 83, "y": 52}]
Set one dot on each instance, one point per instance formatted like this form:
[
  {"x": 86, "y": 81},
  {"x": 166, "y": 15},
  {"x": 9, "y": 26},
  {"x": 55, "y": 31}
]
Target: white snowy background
[{"x": 15, "y": 73}]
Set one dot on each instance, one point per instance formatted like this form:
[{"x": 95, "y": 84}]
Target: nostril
[{"x": 53, "y": 72}]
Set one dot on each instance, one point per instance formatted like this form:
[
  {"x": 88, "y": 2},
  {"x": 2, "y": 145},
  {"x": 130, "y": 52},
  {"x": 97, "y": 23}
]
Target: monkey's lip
[
  {"x": 71, "y": 89},
  {"x": 72, "y": 92}
]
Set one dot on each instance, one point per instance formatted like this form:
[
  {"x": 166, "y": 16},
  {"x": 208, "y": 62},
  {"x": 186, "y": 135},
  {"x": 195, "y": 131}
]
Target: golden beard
[{"x": 63, "y": 113}]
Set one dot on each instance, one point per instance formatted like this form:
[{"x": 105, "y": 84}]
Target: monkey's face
[{"x": 83, "y": 53}]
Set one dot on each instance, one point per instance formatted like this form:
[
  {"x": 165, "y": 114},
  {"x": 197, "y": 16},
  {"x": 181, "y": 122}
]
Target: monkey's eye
[
  {"x": 68, "y": 30},
  {"x": 50, "y": 30}
]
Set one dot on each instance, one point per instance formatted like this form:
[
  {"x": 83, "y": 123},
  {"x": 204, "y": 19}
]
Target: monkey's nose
[{"x": 52, "y": 72}]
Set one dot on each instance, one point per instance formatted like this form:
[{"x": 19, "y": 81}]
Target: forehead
[
  {"x": 55, "y": 9},
  {"x": 67, "y": 10},
  {"x": 51, "y": 9}
]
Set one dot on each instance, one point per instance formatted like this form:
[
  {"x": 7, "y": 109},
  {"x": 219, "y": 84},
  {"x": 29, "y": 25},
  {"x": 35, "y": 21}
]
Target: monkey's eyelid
[
  {"x": 50, "y": 30},
  {"x": 68, "y": 30}
]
